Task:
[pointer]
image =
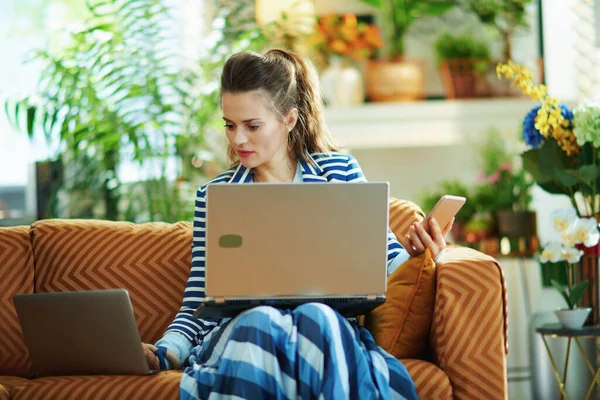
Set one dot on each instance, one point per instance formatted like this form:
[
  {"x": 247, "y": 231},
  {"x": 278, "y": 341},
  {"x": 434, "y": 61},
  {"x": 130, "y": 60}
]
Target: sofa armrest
[{"x": 469, "y": 331}]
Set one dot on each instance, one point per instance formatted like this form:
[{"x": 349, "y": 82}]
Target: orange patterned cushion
[
  {"x": 152, "y": 261},
  {"x": 16, "y": 270},
  {"x": 8, "y": 383},
  {"x": 402, "y": 324},
  {"x": 164, "y": 385},
  {"x": 430, "y": 380},
  {"x": 403, "y": 214}
]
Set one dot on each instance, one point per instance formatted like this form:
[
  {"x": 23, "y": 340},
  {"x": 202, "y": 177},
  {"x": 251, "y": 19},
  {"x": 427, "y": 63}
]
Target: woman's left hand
[{"x": 418, "y": 239}]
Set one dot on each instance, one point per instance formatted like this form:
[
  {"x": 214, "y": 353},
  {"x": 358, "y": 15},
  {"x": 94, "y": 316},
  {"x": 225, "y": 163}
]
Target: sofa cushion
[
  {"x": 164, "y": 385},
  {"x": 431, "y": 382},
  {"x": 8, "y": 383},
  {"x": 402, "y": 324},
  {"x": 152, "y": 261},
  {"x": 403, "y": 214},
  {"x": 16, "y": 270}
]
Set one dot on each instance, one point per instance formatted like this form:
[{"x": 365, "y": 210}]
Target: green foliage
[
  {"x": 119, "y": 92},
  {"x": 400, "y": 15},
  {"x": 503, "y": 14},
  {"x": 505, "y": 190},
  {"x": 429, "y": 198},
  {"x": 502, "y": 186},
  {"x": 573, "y": 295},
  {"x": 557, "y": 173},
  {"x": 450, "y": 47},
  {"x": 506, "y": 16}
]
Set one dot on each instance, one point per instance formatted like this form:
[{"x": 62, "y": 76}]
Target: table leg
[
  {"x": 587, "y": 361},
  {"x": 594, "y": 382},
  {"x": 567, "y": 364},
  {"x": 561, "y": 385}
]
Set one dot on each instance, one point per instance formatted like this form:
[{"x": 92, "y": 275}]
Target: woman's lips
[{"x": 244, "y": 153}]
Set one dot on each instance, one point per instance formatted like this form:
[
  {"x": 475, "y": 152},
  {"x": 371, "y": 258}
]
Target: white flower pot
[
  {"x": 573, "y": 319},
  {"x": 342, "y": 84}
]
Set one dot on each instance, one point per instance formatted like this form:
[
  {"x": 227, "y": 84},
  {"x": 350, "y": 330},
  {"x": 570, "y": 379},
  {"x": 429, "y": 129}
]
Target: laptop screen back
[{"x": 317, "y": 239}]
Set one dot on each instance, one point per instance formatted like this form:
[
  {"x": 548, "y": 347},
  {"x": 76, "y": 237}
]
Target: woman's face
[{"x": 255, "y": 133}]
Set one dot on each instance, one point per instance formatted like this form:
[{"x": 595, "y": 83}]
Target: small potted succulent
[{"x": 572, "y": 231}]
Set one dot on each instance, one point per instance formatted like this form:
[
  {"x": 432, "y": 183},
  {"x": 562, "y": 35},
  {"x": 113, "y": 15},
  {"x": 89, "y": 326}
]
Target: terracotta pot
[
  {"x": 516, "y": 223},
  {"x": 395, "y": 80},
  {"x": 462, "y": 80}
]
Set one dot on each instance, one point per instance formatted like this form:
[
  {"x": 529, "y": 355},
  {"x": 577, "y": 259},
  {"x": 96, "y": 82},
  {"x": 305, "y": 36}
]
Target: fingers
[
  {"x": 448, "y": 228},
  {"x": 438, "y": 236},
  {"x": 407, "y": 244},
  {"x": 415, "y": 231},
  {"x": 151, "y": 358}
]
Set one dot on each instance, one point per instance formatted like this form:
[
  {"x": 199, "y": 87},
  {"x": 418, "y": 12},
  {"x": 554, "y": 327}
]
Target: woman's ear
[{"x": 292, "y": 119}]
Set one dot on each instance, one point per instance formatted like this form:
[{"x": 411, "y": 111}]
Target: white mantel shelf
[{"x": 423, "y": 123}]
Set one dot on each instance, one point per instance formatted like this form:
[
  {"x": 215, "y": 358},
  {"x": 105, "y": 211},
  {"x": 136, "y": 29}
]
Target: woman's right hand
[{"x": 151, "y": 358}]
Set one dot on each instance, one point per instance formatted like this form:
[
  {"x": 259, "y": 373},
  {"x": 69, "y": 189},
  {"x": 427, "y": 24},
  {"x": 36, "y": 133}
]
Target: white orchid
[
  {"x": 563, "y": 219},
  {"x": 585, "y": 231},
  {"x": 568, "y": 238},
  {"x": 552, "y": 253},
  {"x": 571, "y": 254}
]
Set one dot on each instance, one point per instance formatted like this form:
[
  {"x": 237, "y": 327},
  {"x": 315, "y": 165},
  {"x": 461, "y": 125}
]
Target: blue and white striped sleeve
[
  {"x": 396, "y": 254},
  {"x": 192, "y": 328}
]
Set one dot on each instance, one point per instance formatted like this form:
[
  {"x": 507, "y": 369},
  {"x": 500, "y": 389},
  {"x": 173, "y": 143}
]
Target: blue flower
[
  {"x": 532, "y": 136},
  {"x": 567, "y": 114}
]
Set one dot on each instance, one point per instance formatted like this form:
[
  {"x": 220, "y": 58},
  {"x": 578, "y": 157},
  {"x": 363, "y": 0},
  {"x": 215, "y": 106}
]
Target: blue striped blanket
[{"x": 311, "y": 353}]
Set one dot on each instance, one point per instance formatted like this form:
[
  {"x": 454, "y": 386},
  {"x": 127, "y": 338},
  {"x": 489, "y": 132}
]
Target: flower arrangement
[
  {"x": 570, "y": 230},
  {"x": 347, "y": 37},
  {"x": 564, "y": 143}
]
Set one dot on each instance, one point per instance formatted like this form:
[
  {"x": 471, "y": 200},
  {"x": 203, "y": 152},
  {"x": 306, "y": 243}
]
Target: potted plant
[
  {"x": 397, "y": 78},
  {"x": 572, "y": 317},
  {"x": 504, "y": 188},
  {"x": 569, "y": 231},
  {"x": 506, "y": 16},
  {"x": 462, "y": 61}
]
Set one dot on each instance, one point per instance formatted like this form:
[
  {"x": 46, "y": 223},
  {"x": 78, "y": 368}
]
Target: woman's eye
[
  {"x": 228, "y": 126},
  {"x": 253, "y": 127}
]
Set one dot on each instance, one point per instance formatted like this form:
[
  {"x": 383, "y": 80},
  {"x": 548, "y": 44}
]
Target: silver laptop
[
  {"x": 81, "y": 333},
  {"x": 287, "y": 244}
]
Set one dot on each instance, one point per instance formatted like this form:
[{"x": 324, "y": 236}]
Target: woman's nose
[{"x": 239, "y": 137}]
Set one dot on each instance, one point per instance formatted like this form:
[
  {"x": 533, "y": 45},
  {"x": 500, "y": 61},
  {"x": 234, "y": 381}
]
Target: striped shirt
[{"x": 326, "y": 167}]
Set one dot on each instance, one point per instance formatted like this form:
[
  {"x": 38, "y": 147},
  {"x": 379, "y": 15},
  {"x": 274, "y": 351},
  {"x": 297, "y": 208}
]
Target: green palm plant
[{"x": 119, "y": 93}]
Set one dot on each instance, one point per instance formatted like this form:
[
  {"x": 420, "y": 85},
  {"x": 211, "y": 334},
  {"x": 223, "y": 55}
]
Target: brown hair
[{"x": 290, "y": 81}]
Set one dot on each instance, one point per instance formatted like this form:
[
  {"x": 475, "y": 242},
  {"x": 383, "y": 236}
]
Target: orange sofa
[{"x": 466, "y": 358}]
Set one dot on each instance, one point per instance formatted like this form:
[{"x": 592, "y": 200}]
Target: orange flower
[
  {"x": 348, "y": 33},
  {"x": 344, "y": 35},
  {"x": 350, "y": 21},
  {"x": 373, "y": 36},
  {"x": 338, "y": 46}
]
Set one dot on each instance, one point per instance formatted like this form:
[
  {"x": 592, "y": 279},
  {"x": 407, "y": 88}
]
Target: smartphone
[{"x": 445, "y": 209}]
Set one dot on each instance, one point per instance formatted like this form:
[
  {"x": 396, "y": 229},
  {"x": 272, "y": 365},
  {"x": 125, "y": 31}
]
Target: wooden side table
[{"x": 557, "y": 330}]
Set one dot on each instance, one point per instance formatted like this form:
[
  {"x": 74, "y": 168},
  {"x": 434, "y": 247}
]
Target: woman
[{"x": 274, "y": 125}]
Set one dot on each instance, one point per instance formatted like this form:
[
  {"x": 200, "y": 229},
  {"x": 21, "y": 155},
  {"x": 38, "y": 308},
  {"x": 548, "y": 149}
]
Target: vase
[
  {"x": 573, "y": 318},
  {"x": 342, "y": 84}
]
